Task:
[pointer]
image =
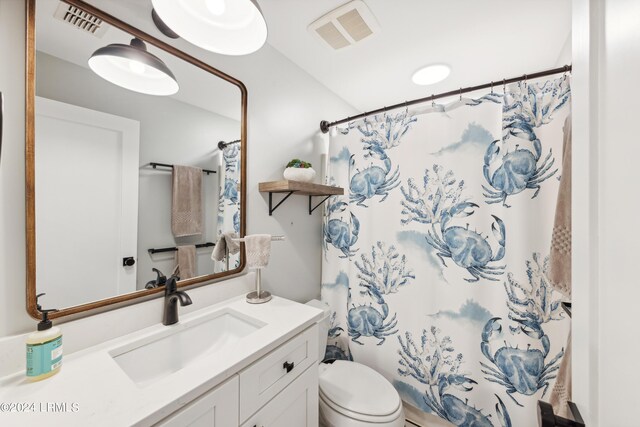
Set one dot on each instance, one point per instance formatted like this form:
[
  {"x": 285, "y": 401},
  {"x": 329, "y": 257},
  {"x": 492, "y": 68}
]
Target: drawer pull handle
[{"x": 288, "y": 366}]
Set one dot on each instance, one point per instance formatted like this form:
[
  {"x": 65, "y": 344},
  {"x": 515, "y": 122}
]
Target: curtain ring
[
  {"x": 406, "y": 106},
  {"x": 433, "y": 101},
  {"x": 492, "y": 88},
  {"x": 504, "y": 86},
  {"x": 460, "y": 93}
]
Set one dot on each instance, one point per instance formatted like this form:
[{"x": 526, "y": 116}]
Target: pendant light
[
  {"x": 229, "y": 27},
  {"x": 132, "y": 67}
]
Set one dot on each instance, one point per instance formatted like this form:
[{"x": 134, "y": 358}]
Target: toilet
[{"x": 352, "y": 394}]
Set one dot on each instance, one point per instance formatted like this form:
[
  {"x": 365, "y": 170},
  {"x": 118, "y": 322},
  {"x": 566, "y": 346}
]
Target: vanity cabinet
[
  {"x": 278, "y": 390},
  {"x": 216, "y": 408}
]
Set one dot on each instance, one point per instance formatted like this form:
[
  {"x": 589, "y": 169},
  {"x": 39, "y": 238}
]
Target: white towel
[{"x": 258, "y": 248}]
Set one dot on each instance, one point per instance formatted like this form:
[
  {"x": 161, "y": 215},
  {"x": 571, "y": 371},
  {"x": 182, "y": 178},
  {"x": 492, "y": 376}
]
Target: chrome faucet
[{"x": 171, "y": 297}]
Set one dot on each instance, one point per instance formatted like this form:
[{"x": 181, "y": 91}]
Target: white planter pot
[{"x": 299, "y": 174}]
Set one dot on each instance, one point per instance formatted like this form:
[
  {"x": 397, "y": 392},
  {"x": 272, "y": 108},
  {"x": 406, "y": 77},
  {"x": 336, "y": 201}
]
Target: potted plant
[{"x": 299, "y": 170}]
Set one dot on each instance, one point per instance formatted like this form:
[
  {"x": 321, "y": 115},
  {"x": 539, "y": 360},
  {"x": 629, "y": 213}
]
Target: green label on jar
[{"x": 44, "y": 357}]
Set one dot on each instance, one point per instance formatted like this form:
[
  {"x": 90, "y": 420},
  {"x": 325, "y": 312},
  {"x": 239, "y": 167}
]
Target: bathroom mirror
[{"x": 103, "y": 209}]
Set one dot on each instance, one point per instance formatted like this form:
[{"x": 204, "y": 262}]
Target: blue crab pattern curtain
[
  {"x": 229, "y": 200},
  {"x": 435, "y": 259}
]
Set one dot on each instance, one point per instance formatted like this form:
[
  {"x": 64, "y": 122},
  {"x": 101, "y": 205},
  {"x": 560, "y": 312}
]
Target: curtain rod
[
  {"x": 222, "y": 145},
  {"x": 325, "y": 125}
]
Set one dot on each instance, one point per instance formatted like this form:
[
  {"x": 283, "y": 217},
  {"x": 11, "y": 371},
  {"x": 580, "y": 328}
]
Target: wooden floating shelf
[{"x": 298, "y": 187}]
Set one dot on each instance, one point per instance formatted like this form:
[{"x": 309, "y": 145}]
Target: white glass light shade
[
  {"x": 229, "y": 27},
  {"x": 431, "y": 74},
  {"x": 133, "y": 68}
]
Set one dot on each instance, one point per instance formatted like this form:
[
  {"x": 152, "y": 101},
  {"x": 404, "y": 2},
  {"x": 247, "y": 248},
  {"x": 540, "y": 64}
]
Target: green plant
[{"x": 297, "y": 163}]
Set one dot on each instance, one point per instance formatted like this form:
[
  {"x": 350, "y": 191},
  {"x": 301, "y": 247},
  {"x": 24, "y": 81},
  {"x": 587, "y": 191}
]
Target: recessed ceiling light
[{"x": 431, "y": 74}]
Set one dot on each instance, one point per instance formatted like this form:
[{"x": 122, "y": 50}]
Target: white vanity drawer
[
  {"x": 295, "y": 406},
  {"x": 261, "y": 381}
]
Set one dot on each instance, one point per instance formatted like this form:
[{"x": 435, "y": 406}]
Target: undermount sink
[{"x": 159, "y": 355}]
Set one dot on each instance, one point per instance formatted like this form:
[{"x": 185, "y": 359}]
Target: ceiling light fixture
[
  {"x": 431, "y": 74},
  {"x": 229, "y": 27},
  {"x": 132, "y": 67}
]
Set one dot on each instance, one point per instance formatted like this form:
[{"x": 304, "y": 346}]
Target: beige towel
[
  {"x": 186, "y": 209},
  {"x": 561, "y": 392},
  {"x": 227, "y": 241},
  {"x": 258, "y": 248},
  {"x": 560, "y": 258},
  {"x": 560, "y": 270},
  {"x": 186, "y": 261}
]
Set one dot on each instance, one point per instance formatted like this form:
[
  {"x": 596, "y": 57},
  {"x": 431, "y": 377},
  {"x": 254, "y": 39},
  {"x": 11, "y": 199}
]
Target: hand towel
[
  {"x": 560, "y": 270},
  {"x": 233, "y": 244},
  {"x": 227, "y": 244},
  {"x": 220, "y": 249},
  {"x": 186, "y": 261},
  {"x": 560, "y": 257},
  {"x": 258, "y": 248},
  {"x": 561, "y": 392},
  {"x": 186, "y": 209}
]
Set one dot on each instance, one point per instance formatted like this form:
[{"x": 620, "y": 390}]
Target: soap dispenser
[{"x": 44, "y": 348}]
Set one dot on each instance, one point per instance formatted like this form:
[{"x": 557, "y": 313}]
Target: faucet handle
[
  {"x": 160, "y": 280},
  {"x": 171, "y": 285}
]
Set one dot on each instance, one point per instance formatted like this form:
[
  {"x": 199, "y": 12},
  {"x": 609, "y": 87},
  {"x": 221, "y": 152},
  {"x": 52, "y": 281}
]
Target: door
[
  {"x": 296, "y": 405},
  {"x": 217, "y": 408},
  {"x": 87, "y": 160}
]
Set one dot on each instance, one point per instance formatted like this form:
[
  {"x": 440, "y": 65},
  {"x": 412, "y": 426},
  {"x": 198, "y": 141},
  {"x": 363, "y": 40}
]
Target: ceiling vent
[
  {"x": 80, "y": 19},
  {"x": 346, "y": 25}
]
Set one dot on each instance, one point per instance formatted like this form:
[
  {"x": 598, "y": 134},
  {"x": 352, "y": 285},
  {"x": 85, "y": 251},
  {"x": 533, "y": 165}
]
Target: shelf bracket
[
  {"x": 311, "y": 209},
  {"x": 273, "y": 208}
]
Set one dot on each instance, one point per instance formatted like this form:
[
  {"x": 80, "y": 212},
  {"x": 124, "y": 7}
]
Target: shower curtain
[
  {"x": 435, "y": 260},
  {"x": 229, "y": 201}
]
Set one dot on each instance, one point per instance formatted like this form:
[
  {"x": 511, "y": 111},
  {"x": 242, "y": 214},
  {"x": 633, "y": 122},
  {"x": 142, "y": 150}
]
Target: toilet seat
[
  {"x": 357, "y": 416},
  {"x": 358, "y": 392}
]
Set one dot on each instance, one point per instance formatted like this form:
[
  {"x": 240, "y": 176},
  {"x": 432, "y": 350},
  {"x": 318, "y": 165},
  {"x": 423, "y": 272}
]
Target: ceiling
[
  {"x": 197, "y": 87},
  {"x": 480, "y": 40}
]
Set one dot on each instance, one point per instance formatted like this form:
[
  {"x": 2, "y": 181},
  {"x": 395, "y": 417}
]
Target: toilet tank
[{"x": 323, "y": 326}]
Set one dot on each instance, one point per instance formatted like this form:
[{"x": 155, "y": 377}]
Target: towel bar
[
  {"x": 155, "y": 251},
  {"x": 273, "y": 239},
  {"x": 165, "y": 165}
]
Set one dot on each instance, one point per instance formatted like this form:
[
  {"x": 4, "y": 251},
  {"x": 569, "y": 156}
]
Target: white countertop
[{"x": 92, "y": 390}]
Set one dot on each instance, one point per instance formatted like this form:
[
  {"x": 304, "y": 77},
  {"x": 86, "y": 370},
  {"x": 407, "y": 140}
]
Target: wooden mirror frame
[{"x": 30, "y": 85}]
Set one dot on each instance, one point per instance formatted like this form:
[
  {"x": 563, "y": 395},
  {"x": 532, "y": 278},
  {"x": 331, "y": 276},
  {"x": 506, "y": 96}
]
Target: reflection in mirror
[{"x": 113, "y": 201}]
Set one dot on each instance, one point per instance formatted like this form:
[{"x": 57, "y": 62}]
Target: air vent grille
[
  {"x": 355, "y": 25},
  {"x": 80, "y": 19},
  {"x": 346, "y": 25},
  {"x": 333, "y": 36}
]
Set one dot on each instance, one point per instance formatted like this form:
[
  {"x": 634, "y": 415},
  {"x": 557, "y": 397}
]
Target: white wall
[
  {"x": 606, "y": 53},
  {"x": 171, "y": 132},
  {"x": 285, "y": 107},
  {"x": 13, "y": 317}
]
